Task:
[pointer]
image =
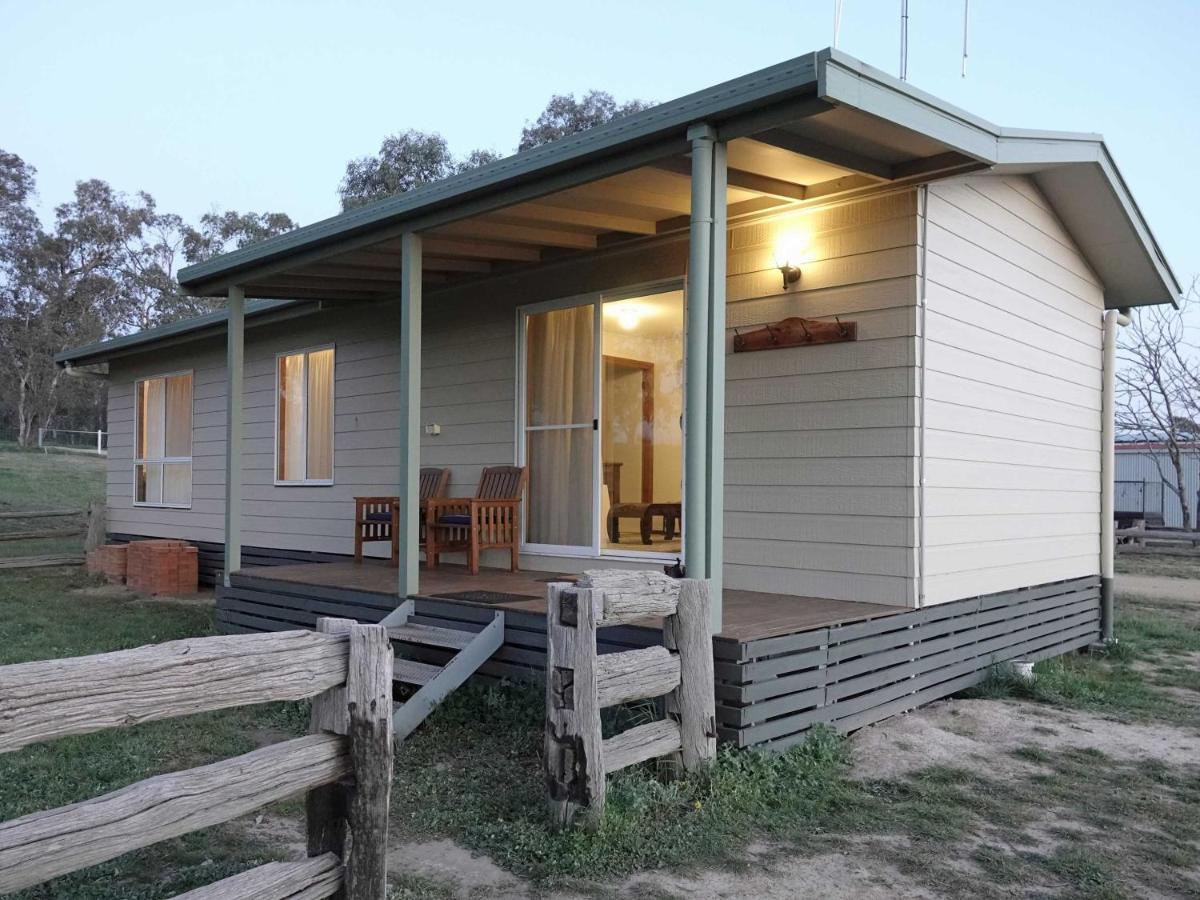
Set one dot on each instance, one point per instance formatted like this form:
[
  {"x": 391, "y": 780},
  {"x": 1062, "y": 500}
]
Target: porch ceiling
[{"x": 765, "y": 173}]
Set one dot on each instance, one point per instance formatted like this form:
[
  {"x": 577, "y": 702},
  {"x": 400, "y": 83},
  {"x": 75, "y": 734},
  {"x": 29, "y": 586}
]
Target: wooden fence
[
  {"x": 344, "y": 764},
  {"x": 580, "y": 683},
  {"x": 87, "y": 523}
]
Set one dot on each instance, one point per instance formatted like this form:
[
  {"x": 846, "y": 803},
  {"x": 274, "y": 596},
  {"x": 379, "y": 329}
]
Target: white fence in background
[{"x": 73, "y": 441}]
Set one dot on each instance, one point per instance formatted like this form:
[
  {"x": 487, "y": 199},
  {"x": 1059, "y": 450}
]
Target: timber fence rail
[
  {"x": 580, "y": 683},
  {"x": 344, "y": 765}
]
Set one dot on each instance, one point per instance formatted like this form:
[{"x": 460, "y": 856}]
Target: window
[
  {"x": 162, "y": 466},
  {"x": 304, "y": 417}
]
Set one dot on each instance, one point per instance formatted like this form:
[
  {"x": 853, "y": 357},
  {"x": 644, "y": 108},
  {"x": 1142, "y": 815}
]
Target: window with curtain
[
  {"x": 162, "y": 466},
  {"x": 304, "y": 417}
]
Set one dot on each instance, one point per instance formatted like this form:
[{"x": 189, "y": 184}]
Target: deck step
[
  {"x": 431, "y": 636},
  {"x": 410, "y": 671}
]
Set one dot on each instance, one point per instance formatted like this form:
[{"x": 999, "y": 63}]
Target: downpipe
[{"x": 1112, "y": 320}]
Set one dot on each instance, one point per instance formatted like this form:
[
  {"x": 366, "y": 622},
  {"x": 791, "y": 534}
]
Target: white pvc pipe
[{"x": 1112, "y": 318}]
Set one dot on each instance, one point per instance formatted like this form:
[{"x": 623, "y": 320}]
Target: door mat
[{"x": 483, "y": 597}]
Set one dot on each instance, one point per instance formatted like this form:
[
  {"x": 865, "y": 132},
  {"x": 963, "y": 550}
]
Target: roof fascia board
[
  {"x": 845, "y": 81},
  {"x": 1026, "y": 148},
  {"x": 185, "y": 331},
  {"x": 1138, "y": 222},
  {"x": 741, "y": 94}
]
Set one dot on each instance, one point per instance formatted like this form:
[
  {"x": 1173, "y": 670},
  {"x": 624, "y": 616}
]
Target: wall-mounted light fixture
[{"x": 791, "y": 249}]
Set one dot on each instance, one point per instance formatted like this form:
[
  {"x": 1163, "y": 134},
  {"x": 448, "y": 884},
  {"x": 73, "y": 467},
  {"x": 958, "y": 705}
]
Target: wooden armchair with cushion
[
  {"x": 378, "y": 518},
  {"x": 491, "y": 519}
]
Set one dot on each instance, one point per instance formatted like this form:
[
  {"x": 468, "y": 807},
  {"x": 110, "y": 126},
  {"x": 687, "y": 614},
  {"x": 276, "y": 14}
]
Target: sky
[{"x": 258, "y": 105}]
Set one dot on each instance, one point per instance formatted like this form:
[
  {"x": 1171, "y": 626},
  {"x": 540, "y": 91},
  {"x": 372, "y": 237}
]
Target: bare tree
[{"x": 1158, "y": 389}]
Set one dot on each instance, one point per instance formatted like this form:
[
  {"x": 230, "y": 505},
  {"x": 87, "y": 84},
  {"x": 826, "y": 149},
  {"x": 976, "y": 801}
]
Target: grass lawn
[{"x": 1149, "y": 562}]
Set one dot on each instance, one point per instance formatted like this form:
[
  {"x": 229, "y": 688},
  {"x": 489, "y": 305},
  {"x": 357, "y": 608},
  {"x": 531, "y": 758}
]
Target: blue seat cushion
[
  {"x": 455, "y": 519},
  {"x": 378, "y": 517}
]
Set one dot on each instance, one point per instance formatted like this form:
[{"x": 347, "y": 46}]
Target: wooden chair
[
  {"x": 489, "y": 520},
  {"x": 378, "y": 518}
]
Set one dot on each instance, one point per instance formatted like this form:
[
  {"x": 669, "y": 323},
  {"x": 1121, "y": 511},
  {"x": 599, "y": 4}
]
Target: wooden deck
[{"x": 749, "y": 615}]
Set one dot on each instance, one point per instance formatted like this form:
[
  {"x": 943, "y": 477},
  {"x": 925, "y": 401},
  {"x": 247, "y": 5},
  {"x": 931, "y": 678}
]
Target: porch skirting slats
[{"x": 770, "y": 692}]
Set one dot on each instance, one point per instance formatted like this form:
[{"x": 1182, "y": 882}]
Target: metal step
[
  {"x": 410, "y": 671},
  {"x": 431, "y": 636}
]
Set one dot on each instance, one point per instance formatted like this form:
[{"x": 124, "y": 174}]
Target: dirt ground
[{"x": 1006, "y": 739}]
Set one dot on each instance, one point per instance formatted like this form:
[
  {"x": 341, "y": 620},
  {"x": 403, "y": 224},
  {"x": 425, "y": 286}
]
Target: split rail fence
[
  {"x": 344, "y": 765},
  {"x": 580, "y": 683}
]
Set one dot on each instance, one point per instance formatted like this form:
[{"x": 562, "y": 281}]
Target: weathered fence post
[
  {"x": 369, "y": 704},
  {"x": 325, "y": 807},
  {"x": 362, "y": 710},
  {"x": 694, "y": 701},
  {"x": 95, "y": 526},
  {"x": 574, "y": 750},
  {"x": 579, "y": 683}
]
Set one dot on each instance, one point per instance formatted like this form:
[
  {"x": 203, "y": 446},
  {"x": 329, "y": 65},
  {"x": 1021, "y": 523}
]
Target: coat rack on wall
[{"x": 795, "y": 332}]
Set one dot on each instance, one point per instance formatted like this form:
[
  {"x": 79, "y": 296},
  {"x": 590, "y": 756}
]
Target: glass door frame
[{"x": 595, "y": 299}]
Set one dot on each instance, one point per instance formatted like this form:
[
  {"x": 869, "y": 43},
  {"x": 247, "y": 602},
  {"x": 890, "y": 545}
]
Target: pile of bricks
[
  {"x": 152, "y": 567},
  {"x": 162, "y": 567},
  {"x": 108, "y": 560}
]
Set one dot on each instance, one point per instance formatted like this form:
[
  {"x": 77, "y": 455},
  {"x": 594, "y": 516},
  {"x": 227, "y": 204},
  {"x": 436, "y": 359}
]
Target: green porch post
[
  {"x": 234, "y": 357},
  {"x": 698, "y": 352},
  {"x": 716, "y": 389},
  {"x": 410, "y": 410}
]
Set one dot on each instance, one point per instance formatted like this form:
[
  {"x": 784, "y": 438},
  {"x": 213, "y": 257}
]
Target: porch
[{"x": 748, "y": 615}]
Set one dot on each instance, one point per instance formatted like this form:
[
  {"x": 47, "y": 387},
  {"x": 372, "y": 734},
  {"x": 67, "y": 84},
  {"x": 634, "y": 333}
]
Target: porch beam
[
  {"x": 234, "y": 365},
  {"x": 410, "y": 412},
  {"x": 540, "y": 213},
  {"x": 487, "y": 250},
  {"x": 490, "y": 229},
  {"x": 697, "y": 350},
  {"x": 838, "y": 156},
  {"x": 746, "y": 181}
]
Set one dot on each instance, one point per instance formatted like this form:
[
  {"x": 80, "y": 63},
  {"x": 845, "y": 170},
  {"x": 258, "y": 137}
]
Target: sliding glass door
[
  {"x": 602, "y": 400},
  {"x": 559, "y": 428}
]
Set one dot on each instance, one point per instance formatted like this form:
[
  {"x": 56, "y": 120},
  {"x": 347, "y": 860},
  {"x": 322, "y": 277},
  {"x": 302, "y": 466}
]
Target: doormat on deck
[{"x": 483, "y": 597}]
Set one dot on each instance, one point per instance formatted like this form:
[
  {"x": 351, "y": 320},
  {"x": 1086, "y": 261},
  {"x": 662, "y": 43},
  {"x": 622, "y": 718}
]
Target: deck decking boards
[{"x": 782, "y": 663}]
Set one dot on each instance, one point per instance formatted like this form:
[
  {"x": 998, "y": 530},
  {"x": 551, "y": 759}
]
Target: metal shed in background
[{"x": 1145, "y": 476}]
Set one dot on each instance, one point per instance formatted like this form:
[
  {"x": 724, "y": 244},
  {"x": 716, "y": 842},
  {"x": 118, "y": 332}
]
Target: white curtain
[
  {"x": 559, "y": 364},
  {"x": 291, "y": 442},
  {"x": 320, "y": 414}
]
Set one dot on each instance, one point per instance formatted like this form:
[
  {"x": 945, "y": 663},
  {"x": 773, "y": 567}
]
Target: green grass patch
[
  {"x": 473, "y": 773},
  {"x": 37, "y": 481},
  {"x": 40, "y": 481},
  {"x": 1166, "y": 565}
]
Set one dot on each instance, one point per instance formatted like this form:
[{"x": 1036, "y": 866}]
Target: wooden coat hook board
[{"x": 795, "y": 332}]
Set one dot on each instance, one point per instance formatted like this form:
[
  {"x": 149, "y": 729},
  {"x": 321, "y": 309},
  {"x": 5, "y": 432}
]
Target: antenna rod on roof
[
  {"x": 904, "y": 40},
  {"x": 837, "y": 22},
  {"x": 966, "y": 18}
]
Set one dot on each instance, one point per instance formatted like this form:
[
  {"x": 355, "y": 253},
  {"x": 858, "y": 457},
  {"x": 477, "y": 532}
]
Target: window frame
[
  {"x": 306, "y": 482},
  {"x": 164, "y": 460}
]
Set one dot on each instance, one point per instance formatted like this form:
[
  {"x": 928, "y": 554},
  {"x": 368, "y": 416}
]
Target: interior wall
[{"x": 1013, "y": 383}]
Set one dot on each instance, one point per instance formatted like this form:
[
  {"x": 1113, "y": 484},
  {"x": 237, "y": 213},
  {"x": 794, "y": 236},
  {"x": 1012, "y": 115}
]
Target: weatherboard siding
[
  {"x": 820, "y": 441},
  {"x": 1012, "y": 392}
]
